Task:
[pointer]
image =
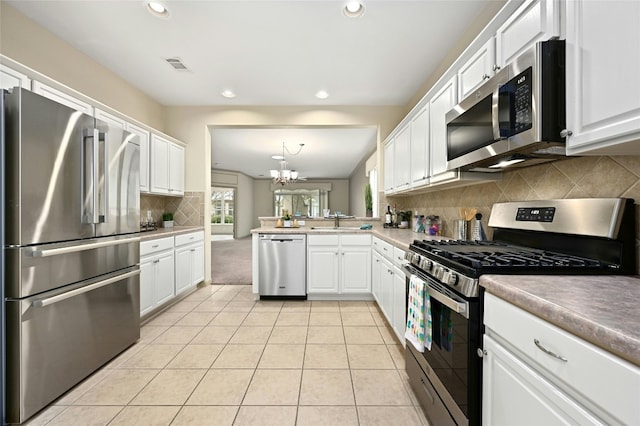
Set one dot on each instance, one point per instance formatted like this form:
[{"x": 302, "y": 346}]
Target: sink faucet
[{"x": 337, "y": 221}]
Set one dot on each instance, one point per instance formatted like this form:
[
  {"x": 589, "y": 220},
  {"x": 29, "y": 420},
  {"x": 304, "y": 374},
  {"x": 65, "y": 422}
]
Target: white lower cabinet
[
  {"x": 189, "y": 260},
  {"x": 339, "y": 264},
  {"x": 537, "y": 373},
  {"x": 389, "y": 285},
  {"x": 156, "y": 273}
]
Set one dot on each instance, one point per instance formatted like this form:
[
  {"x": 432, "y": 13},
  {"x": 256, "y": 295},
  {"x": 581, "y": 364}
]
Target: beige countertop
[
  {"x": 168, "y": 232},
  {"x": 400, "y": 238},
  {"x": 603, "y": 310}
]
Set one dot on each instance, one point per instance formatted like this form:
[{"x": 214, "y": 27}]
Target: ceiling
[{"x": 268, "y": 53}]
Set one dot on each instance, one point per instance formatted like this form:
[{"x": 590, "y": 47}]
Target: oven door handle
[{"x": 458, "y": 307}]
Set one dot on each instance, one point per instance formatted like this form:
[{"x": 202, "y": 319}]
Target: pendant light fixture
[{"x": 284, "y": 175}]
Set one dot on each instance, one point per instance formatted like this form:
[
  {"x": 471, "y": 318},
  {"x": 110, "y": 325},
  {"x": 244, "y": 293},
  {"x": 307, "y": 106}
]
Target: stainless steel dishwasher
[{"x": 283, "y": 266}]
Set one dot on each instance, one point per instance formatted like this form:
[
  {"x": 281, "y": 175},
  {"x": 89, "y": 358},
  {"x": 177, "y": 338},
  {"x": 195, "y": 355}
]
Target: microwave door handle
[{"x": 495, "y": 113}]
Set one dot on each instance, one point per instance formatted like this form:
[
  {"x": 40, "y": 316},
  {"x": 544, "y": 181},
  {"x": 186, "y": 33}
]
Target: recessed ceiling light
[
  {"x": 278, "y": 157},
  {"x": 228, "y": 94},
  {"x": 157, "y": 9},
  {"x": 322, "y": 94},
  {"x": 354, "y": 9}
]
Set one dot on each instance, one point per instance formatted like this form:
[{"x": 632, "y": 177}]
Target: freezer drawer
[
  {"x": 283, "y": 265},
  {"x": 58, "y": 338}
]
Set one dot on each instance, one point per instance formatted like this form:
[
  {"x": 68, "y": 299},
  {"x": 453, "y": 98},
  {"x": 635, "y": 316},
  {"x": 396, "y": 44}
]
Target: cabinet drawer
[
  {"x": 322, "y": 240},
  {"x": 153, "y": 246},
  {"x": 398, "y": 257},
  {"x": 189, "y": 238},
  {"x": 384, "y": 248},
  {"x": 587, "y": 371},
  {"x": 355, "y": 240}
]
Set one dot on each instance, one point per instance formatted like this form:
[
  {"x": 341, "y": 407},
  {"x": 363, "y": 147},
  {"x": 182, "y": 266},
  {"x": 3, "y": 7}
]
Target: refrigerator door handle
[
  {"x": 82, "y": 247},
  {"x": 39, "y": 303},
  {"x": 104, "y": 206},
  {"x": 91, "y": 157}
]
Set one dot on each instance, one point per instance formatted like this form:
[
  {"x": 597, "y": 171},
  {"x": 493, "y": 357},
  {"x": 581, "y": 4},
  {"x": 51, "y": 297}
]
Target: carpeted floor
[{"x": 231, "y": 261}]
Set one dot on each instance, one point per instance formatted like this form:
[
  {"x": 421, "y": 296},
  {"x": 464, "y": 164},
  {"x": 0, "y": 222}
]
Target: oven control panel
[{"x": 535, "y": 214}]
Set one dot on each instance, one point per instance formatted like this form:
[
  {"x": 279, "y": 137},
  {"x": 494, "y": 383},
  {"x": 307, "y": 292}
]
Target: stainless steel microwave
[{"x": 516, "y": 118}]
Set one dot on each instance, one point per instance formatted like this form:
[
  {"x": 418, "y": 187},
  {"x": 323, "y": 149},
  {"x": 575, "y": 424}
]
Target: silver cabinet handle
[
  {"x": 548, "y": 352},
  {"x": 82, "y": 247},
  {"x": 60, "y": 297}
]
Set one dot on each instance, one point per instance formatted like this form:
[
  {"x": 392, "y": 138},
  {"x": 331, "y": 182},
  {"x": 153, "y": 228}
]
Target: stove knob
[
  {"x": 438, "y": 272},
  {"x": 427, "y": 265},
  {"x": 452, "y": 278}
]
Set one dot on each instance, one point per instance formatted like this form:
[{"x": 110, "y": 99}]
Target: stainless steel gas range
[{"x": 554, "y": 237}]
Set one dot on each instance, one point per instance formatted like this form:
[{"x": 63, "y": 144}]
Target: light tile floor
[{"x": 219, "y": 357}]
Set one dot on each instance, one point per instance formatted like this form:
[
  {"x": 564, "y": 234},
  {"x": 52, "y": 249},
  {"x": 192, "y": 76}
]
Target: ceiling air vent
[{"x": 177, "y": 64}]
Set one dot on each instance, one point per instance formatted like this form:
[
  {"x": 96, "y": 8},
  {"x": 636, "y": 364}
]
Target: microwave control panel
[
  {"x": 521, "y": 86},
  {"x": 535, "y": 214}
]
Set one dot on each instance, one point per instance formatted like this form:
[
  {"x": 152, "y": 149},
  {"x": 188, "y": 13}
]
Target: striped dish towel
[{"x": 419, "y": 325}]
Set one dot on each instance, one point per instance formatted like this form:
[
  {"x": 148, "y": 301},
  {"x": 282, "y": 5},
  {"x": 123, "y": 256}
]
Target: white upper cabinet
[
  {"x": 603, "y": 65},
  {"x": 440, "y": 105},
  {"x": 535, "y": 20},
  {"x": 11, "y": 78},
  {"x": 420, "y": 148},
  {"x": 388, "y": 168},
  {"x": 62, "y": 97},
  {"x": 402, "y": 159},
  {"x": 478, "y": 69},
  {"x": 176, "y": 169},
  {"x": 143, "y": 138},
  {"x": 159, "y": 160}
]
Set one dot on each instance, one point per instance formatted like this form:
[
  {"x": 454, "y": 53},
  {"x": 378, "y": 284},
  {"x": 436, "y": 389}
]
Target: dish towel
[{"x": 419, "y": 326}]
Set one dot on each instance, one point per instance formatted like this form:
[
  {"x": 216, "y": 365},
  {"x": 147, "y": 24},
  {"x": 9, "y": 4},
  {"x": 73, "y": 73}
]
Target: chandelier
[{"x": 285, "y": 176}]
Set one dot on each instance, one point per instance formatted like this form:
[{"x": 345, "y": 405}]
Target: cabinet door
[
  {"x": 513, "y": 393},
  {"x": 197, "y": 263},
  {"x": 402, "y": 159},
  {"x": 159, "y": 165},
  {"x": 399, "y": 303},
  {"x": 164, "y": 268},
  {"x": 176, "y": 169},
  {"x": 183, "y": 269},
  {"x": 11, "y": 78},
  {"x": 62, "y": 98},
  {"x": 147, "y": 280},
  {"x": 322, "y": 274},
  {"x": 355, "y": 269},
  {"x": 420, "y": 148},
  {"x": 376, "y": 267},
  {"x": 534, "y": 21},
  {"x": 477, "y": 70},
  {"x": 388, "y": 167},
  {"x": 143, "y": 139},
  {"x": 440, "y": 105},
  {"x": 605, "y": 116},
  {"x": 386, "y": 289}
]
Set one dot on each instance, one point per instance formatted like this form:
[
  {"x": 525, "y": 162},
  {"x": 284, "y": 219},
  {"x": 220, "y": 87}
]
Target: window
[
  {"x": 222, "y": 205},
  {"x": 300, "y": 202}
]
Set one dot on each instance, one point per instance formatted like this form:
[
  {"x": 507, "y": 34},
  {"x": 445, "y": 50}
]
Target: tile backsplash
[
  {"x": 580, "y": 177},
  {"x": 187, "y": 210}
]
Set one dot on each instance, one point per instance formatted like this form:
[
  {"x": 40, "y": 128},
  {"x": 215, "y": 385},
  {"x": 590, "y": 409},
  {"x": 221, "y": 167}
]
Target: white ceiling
[{"x": 268, "y": 53}]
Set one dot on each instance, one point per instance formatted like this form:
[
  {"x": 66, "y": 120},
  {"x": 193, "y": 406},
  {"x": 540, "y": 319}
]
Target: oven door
[{"x": 452, "y": 365}]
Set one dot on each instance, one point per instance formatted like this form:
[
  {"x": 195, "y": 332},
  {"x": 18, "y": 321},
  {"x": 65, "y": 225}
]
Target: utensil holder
[{"x": 460, "y": 229}]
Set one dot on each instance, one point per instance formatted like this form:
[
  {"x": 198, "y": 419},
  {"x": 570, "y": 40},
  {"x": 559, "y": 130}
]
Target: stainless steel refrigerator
[{"x": 72, "y": 248}]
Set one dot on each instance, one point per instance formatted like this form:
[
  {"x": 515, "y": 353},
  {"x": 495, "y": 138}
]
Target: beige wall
[
  {"x": 26, "y": 42},
  {"x": 357, "y": 181}
]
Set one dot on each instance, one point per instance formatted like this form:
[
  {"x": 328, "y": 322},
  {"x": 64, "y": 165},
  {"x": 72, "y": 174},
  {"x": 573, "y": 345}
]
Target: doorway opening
[{"x": 222, "y": 213}]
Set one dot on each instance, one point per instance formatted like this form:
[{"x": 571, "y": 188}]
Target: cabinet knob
[
  {"x": 486, "y": 77},
  {"x": 496, "y": 67},
  {"x": 564, "y": 133},
  {"x": 481, "y": 353}
]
